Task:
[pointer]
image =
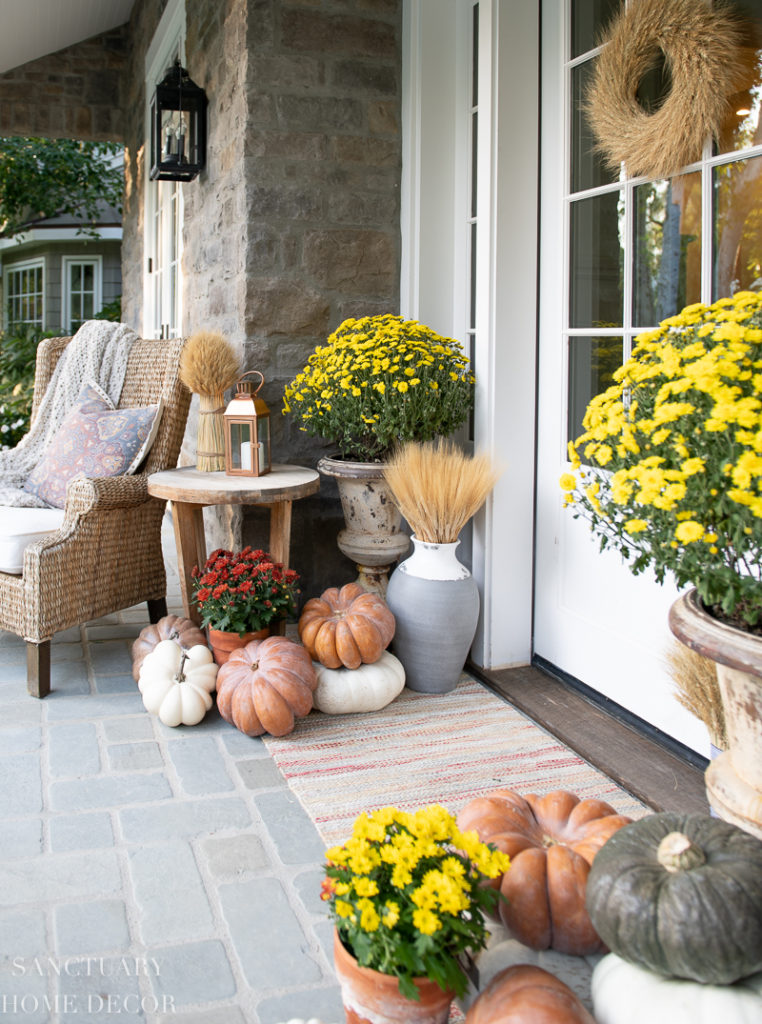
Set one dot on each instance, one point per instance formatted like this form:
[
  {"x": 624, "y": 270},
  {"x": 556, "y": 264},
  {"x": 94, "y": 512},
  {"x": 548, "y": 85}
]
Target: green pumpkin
[{"x": 682, "y": 896}]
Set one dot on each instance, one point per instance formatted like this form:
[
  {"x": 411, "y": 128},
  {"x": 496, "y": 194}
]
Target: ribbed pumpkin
[
  {"x": 265, "y": 686},
  {"x": 551, "y": 841},
  {"x": 525, "y": 994},
  {"x": 681, "y": 895},
  {"x": 171, "y": 627},
  {"x": 348, "y": 627}
]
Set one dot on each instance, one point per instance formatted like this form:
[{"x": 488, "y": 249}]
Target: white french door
[
  {"x": 593, "y": 619},
  {"x": 162, "y": 280},
  {"x": 617, "y": 255}
]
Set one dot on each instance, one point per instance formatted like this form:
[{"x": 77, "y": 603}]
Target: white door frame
[{"x": 435, "y": 272}]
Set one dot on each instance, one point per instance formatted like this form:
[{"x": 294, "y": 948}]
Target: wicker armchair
[{"x": 107, "y": 554}]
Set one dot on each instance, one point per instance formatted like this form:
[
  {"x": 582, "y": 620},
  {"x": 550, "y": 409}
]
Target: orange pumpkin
[
  {"x": 348, "y": 627},
  {"x": 524, "y": 994},
  {"x": 551, "y": 841},
  {"x": 171, "y": 627},
  {"x": 265, "y": 686}
]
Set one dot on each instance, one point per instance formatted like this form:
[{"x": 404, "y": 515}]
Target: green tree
[{"x": 41, "y": 178}]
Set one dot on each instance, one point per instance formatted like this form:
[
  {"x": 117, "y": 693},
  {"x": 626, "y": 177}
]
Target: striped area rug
[{"x": 425, "y": 749}]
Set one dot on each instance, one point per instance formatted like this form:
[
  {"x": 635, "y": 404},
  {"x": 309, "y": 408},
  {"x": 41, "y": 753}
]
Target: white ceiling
[{"x": 33, "y": 28}]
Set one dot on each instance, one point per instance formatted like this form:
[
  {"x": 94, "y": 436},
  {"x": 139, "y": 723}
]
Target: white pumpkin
[
  {"x": 626, "y": 994},
  {"x": 176, "y": 683},
  {"x": 342, "y": 691}
]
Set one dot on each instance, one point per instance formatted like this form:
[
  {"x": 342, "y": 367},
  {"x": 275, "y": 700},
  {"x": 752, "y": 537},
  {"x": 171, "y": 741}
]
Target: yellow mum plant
[
  {"x": 379, "y": 381},
  {"x": 669, "y": 469},
  {"x": 408, "y": 895}
]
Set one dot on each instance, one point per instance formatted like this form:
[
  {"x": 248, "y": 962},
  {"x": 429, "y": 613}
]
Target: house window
[
  {"x": 24, "y": 287},
  {"x": 640, "y": 250},
  {"x": 81, "y": 291}
]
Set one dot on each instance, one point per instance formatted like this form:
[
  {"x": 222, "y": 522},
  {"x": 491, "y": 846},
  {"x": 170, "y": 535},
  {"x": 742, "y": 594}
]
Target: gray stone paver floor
[
  {"x": 155, "y": 874},
  {"x": 148, "y": 874}
]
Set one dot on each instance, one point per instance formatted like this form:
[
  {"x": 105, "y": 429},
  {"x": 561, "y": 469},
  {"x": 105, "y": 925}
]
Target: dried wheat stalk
[
  {"x": 438, "y": 488},
  {"x": 208, "y": 363},
  {"x": 697, "y": 689}
]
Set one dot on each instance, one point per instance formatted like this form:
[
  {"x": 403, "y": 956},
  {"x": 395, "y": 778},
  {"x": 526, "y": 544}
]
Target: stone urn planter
[
  {"x": 372, "y": 537},
  {"x": 733, "y": 778}
]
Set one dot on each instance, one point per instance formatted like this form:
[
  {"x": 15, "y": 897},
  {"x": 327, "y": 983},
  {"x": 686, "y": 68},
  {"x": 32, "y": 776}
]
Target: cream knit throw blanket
[{"x": 98, "y": 351}]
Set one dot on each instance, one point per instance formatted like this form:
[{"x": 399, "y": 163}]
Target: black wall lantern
[{"x": 178, "y": 127}]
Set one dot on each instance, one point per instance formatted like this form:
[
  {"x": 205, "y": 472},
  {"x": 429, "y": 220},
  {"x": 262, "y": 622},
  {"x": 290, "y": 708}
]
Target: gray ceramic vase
[{"x": 435, "y": 601}]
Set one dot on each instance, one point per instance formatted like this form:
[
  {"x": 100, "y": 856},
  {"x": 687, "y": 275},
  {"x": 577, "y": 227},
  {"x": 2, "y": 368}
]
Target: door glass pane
[
  {"x": 589, "y": 19},
  {"x": 595, "y": 267},
  {"x": 587, "y": 167},
  {"x": 666, "y": 273},
  {"x": 592, "y": 362},
  {"x": 742, "y": 128},
  {"x": 474, "y": 152},
  {"x": 475, "y": 55},
  {"x": 737, "y": 212}
]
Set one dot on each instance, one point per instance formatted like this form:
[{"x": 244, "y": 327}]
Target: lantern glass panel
[
  {"x": 263, "y": 431},
  {"x": 240, "y": 446}
]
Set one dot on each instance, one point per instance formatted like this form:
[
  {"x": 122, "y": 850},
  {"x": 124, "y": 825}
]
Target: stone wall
[
  {"x": 75, "y": 93},
  {"x": 322, "y": 166}
]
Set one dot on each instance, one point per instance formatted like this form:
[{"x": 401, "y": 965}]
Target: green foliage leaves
[
  {"x": 42, "y": 178},
  {"x": 18, "y": 352}
]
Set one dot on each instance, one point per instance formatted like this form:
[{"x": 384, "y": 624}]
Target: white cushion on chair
[{"x": 20, "y": 527}]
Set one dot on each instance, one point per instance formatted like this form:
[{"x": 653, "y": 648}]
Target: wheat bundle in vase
[
  {"x": 438, "y": 488},
  {"x": 208, "y": 366}
]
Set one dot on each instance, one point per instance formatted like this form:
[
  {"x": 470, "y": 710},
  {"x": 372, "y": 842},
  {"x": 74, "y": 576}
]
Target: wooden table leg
[
  {"x": 280, "y": 531},
  {"x": 191, "y": 550}
]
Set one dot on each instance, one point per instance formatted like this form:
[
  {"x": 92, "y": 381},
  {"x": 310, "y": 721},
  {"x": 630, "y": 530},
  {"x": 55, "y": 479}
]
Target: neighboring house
[
  {"x": 54, "y": 277},
  {"x": 345, "y": 175}
]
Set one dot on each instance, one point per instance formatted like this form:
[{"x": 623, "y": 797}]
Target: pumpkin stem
[
  {"x": 677, "y": 853},
  {"x": 180, "y": 675}
]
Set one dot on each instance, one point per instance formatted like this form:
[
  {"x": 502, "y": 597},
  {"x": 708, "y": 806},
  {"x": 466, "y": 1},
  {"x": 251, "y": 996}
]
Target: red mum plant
[{"x": 243, "y": 592}]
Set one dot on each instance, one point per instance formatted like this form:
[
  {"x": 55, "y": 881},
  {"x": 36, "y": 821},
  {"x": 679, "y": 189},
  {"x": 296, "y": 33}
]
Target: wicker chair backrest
[{"x": 153, "y": 371}]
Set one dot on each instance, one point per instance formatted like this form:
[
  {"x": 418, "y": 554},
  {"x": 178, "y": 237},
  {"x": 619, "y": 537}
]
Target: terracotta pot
[
  {"x": 223, "y": 643},
  {"x": 373, "y": 537},
  {"x": 370, "y": 997},
  {"x": 733, "y": 778}
]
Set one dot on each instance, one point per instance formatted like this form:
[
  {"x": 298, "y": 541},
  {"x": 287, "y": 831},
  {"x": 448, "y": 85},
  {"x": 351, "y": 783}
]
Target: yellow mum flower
[
  {"x": 689, "y": 531},
  {"x": 426, "y": 922}
]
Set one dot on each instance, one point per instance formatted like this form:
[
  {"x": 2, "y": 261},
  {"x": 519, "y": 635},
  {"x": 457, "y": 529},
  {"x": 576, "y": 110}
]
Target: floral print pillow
[{"x": 94, "y": 440}]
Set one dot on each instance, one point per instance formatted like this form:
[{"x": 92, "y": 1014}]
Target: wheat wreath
[{"x": 703, "y": 51}]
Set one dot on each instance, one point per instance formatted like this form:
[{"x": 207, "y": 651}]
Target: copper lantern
[{"x": 247, "y": 430}]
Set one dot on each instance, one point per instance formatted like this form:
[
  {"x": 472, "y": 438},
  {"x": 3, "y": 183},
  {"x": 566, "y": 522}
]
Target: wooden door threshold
[{"x": 636, "y": 762}]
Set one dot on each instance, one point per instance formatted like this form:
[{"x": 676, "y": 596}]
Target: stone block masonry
[{"x": 75, "y": 93}]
